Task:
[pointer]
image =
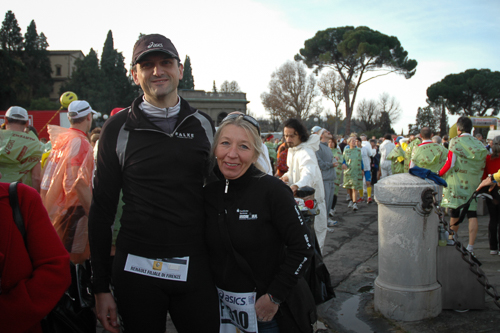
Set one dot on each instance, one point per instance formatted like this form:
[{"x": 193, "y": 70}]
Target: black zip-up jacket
[
  {"x": 265, "y": 227},
  {"x": 161, "y": 176}
]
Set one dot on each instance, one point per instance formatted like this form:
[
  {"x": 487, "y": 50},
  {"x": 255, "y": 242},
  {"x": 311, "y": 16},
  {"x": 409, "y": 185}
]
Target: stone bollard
[{"x": 406, "y": 288}]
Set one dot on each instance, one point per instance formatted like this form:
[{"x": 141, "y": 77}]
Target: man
[
  {"x": 428, "y": 155},
  {"x": 353, "y": 171},
  {"x": 385, "y": 149},
  {"x": 463, "y": 171},
  {"x": 303, "y": 170},
  {"x": 155, "y": 151},
  {"x": 437, "y": 139},
  {"x": 367, "y": 152},
  {"x": 20, "y": 152},
  {"x": 445, "y": 141},
  {"x": 479, "y": 136},
  {"x": 67, "y": 180},
  {"x": 375, "y": 162},
  {"x": 327, "y": 166}
]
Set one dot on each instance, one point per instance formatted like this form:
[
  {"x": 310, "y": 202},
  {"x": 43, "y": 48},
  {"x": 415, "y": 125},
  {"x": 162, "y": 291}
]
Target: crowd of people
[{"x": 179, "y": 218}]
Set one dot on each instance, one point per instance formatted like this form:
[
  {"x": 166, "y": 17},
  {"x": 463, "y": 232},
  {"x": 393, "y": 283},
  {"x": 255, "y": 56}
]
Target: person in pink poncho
[{"x": 67, "y": 180}]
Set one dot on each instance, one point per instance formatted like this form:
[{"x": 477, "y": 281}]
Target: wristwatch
[{"x": 274, "y": 299}]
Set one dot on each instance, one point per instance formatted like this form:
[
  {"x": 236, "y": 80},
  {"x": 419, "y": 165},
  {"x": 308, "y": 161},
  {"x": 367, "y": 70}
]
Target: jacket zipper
[
  {"x": 227, "y": 184},
  {"x": 170, "y": 135}
]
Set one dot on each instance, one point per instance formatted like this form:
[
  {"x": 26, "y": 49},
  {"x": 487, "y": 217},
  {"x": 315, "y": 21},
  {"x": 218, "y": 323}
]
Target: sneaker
[
  {"x": 331, "y": 213},
  {"x": 329, "y": 229},
  {"x": 350, "y": 204},
  {"x": 493, "y": 252},
  {"x": 354, "y": 206},
  {"x": 347, "y": 198},
  {"x": 331, "y": 223},
  {"x": 360, "y": 200},
  {"x": 370, "y": 200}
]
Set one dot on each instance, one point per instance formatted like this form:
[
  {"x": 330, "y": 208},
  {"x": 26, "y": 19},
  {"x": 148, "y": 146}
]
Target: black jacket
[
  {"x": 262, "y": 218},
  {"x": 162, "y": 179}
]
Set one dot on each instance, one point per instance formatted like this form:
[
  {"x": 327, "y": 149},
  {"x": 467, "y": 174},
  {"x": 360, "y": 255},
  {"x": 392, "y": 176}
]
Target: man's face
[
  {"x": 292, "y": 139},
  {"x": 326, "y": 135},
  {"x": 158, "y": 75}
]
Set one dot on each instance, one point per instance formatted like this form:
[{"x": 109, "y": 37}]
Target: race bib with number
[
  {"x": 237, "y": 312},
  {"x": 168, "y": 268}
]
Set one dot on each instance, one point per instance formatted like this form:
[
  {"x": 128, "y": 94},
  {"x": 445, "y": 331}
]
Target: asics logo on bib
[
  {"x": 153, "y": 44},
  {"x": 184, "y": 135},
  {"x": 235, "y": 300}
]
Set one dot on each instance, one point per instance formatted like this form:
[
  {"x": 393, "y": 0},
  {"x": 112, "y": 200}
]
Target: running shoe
[
  {"x": 493, "y": 252},
  {"x": 348, "y": 197},
  {"x": 354, "y": 206},
  {"x": 360, "y": 200},
  {"x": 350, "y": 204},
  {"x": 370, "y": 200},
  {"x": 332, "y": 212},
  {"x": 331, "y": 223}
]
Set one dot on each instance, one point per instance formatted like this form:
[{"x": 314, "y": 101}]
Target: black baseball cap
[{"x": 153, "y": 43}]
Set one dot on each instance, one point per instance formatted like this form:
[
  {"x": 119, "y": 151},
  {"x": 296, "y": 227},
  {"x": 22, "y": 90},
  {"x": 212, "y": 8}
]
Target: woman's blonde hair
[
  {"x": 252, "y": 133},
  {"x": 495, "y": 147}
]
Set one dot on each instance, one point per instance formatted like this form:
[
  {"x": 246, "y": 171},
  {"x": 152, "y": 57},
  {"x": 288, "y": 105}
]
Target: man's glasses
[{"x": 249, "y": 119}]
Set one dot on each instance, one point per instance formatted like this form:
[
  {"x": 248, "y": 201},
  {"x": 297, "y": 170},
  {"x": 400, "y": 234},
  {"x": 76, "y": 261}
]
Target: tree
[
  {"x": 292, "y": 93},
  {"x": 474, "y": 92},
  {"x": 332, "y": 87},
  {"x": 12, "y": 85},
  {"x": 117, "y": 86},
  {"x": 427, "y": 117},
  {"x": 229, "y": 87},
  {"x": 187, "y": 81},
  {"x": 36, "y": 59},
  {"x": 377, "y": 114},
  {"x": 11, "y": 38},
  {"x": 353, "y": 52},
  {"x": 87, "y": 81}
]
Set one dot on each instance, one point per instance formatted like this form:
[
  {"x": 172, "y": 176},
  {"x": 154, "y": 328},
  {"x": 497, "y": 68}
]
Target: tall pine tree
[
  {"x": 11, "y": 38},
  {"x": 119, "y": 91},
  {"x": 187, "y": 81}
]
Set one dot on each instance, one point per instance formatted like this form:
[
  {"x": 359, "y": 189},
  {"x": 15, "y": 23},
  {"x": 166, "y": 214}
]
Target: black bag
[
  {"x": 318, "y": 277},
  {"x": 298, "y": 313},
  {"x": 73, "y": 312}
]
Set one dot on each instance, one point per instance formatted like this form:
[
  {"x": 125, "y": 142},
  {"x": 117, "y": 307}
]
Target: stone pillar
[{"x": 406, "y": 288}]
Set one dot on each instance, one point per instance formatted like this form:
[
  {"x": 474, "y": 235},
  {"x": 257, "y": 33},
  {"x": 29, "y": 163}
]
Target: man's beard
[{"x": 289, "y": 145}]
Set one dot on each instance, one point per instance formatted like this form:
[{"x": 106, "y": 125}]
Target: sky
[{"x": 247, "y": 40}]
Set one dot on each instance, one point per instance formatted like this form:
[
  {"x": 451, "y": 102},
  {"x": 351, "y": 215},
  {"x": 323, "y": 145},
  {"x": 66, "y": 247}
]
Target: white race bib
[
  {"x": 167, "y": 268},
  {"x": 237, "y": 312}
]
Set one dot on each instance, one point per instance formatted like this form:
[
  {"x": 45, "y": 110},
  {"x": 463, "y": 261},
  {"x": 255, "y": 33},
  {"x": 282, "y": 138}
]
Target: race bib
[
  {"x": 168, "y": 268},
  {"x": 237, "y": 312}
]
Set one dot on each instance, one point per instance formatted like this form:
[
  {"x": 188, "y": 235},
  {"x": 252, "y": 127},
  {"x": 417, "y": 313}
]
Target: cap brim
[{"x": 139, "y": 58}]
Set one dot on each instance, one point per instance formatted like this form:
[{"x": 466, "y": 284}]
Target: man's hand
[
  {"x": 335, "y": 164},
  {"x": 294, "y": 189},
  {"x": 106, "y": 312},
  {"x": 265, "y": 309},
  {"x": 284, "y": 179},
  {"x": 487, "y": 182}
]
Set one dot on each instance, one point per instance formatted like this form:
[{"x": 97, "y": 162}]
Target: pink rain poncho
[{"x": 70, "y": 161}]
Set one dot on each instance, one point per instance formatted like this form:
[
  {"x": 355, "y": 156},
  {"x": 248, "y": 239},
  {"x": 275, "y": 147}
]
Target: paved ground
[{"x": 351, "y": 257}]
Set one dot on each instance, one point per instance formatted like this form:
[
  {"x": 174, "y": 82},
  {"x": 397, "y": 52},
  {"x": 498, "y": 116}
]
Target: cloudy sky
[{"x": 246, "y": 40}]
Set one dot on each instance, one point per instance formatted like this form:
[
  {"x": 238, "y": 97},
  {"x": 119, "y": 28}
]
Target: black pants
[
  {"x": 143, "y": 301},
  {"x": 494, "y": 225}
]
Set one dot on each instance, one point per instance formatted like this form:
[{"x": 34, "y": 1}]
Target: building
[
  {"x": 216, "y": 105},
  {"x": 63, "y": 66}
]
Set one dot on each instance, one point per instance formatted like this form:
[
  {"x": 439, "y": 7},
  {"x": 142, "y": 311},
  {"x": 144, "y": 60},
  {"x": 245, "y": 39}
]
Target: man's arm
[{"x": 36, "y": 176}]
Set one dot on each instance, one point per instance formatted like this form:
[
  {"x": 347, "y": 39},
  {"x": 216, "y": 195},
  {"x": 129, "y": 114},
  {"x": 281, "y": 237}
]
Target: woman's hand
[
  {"x": 265, "y": 309},
  {"x": 344, "y": 166},
  {"x": 106, "y": 312}
]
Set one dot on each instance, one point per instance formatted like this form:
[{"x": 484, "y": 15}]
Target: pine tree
[
  {"x": 118, "y": 88},
  {"x": 187, "y": 81},
  {"x": 11, "y": 38}
]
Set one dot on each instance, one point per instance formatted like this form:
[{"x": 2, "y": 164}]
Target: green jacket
[
  {"x": 19, "y": 153},
  {"x": 337, "y": 154},
  {"x": 396, "y": 166},
  {"x": 353, "y": 175},
  {"x": 464, "y": 177},
  {"x": 430, "y": 156},
  {"x": 408, "y": 153}
]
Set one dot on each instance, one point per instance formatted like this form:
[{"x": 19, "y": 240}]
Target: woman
[
  {"x": 34, "y": 272},
  {"x": 492, "y": 167},
  {"x": 251, "y": 218},
  {"x": 337, "y": 154},
  {"x": 353, "y": 171}
]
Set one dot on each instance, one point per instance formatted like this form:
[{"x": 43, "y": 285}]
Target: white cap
[
  {"x": 78, "y": 109},
  {"x": 18, "y": 113},
  {"x": 315, "y": 129}
]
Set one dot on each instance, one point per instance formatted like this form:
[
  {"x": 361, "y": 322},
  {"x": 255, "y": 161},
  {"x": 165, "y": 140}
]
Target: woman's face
[{"x": 234, "y": 152}]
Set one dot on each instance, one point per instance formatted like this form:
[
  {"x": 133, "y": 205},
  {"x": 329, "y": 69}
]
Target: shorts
[
  {"x": 455, "y": 213},
  {"x": 368, "y": 176}
]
